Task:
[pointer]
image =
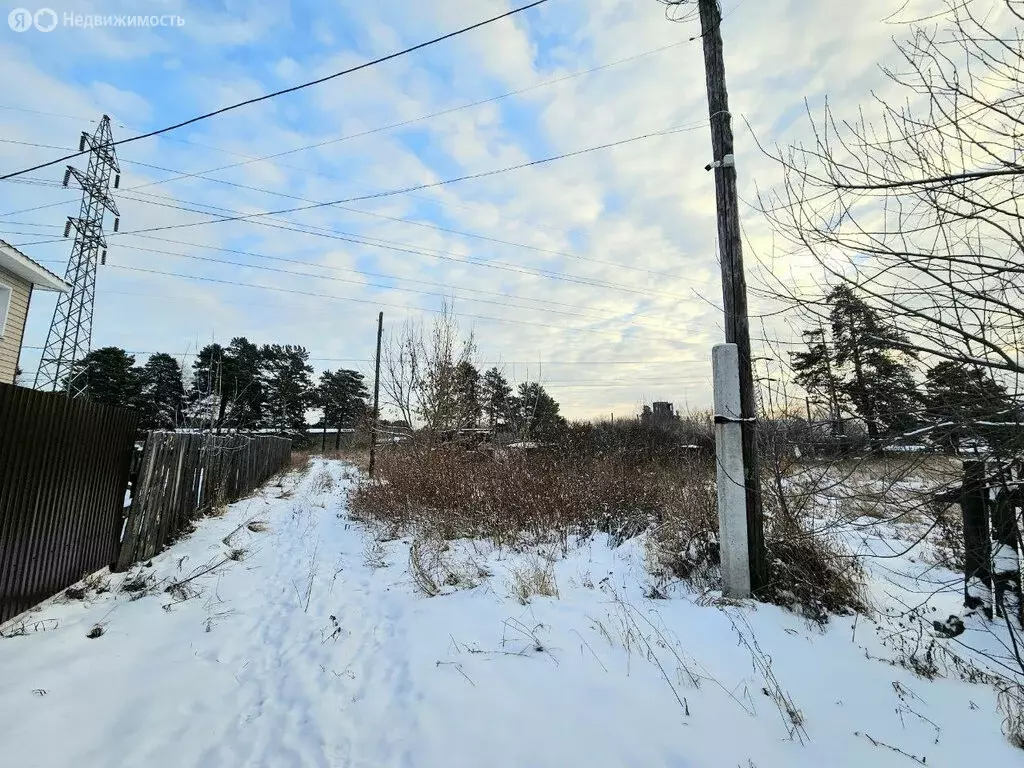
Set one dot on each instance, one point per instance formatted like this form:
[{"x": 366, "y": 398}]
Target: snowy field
[{"x": 294, "y": 637}]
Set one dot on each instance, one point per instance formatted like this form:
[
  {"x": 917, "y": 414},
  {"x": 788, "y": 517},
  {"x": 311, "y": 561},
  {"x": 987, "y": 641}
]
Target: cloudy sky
[{"x": 595, "y": 274}]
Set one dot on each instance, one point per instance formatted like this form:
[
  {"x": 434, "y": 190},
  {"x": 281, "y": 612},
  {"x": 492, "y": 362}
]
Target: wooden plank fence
[
  {"x": 185, "y": 475},
  {"x": 64, "y": 468}
]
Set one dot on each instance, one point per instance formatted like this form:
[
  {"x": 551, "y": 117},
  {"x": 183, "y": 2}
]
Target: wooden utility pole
[
  {"x": 376, "y": 395},
  {"x": 734, "y": 284}
]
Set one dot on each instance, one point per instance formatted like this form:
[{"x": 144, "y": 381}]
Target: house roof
[{"x": 18, "y": 263}]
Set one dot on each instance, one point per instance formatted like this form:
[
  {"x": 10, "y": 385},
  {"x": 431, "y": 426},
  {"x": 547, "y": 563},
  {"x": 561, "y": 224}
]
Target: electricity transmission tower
[{"x": 70, "y": 336}]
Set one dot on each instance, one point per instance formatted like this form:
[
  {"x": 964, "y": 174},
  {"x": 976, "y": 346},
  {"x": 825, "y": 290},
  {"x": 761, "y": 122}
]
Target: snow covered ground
[{"x": 315, "y": 647}]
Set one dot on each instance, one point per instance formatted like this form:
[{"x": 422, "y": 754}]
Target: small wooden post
[
  {"x": 376, "y": 396},
  {"x": 977, "y": 545},
  {"x": 1006, "y": 557}
]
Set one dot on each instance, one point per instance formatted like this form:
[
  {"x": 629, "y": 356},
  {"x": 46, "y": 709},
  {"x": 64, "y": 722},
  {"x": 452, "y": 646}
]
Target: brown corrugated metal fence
[
  {"x": 64, "y": 468},
  {"x": 184, "y": 475}
]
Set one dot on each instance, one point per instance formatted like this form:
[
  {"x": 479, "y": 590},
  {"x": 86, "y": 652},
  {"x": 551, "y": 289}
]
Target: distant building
[
  {"x": 662, "y": 415},
  {"x": 664, "y": 412}
]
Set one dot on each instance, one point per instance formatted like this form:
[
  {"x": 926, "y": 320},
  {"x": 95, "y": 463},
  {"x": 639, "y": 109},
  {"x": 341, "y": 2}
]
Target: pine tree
[
  {"x": 815, "y": 374},
  {"x": 879, "y": 382},
  {"x": 287, "y": 379},
  {"x": 227, "y": 386},
  {"x": 958, "y": 396},
  {"x": 535, "y": 413},
  {"x": 163, "y": 393},
  {"x": 242, "y": 386},
  {"x": 343, "y": 396},
  {"x": 207, "y": 401},
  {"x": 110, "y": 376},
  {"x": 467, "y": 394},
  {"x": 495, "y": 393}
]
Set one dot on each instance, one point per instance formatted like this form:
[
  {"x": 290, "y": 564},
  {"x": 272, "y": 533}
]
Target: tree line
[
  {"x": 430, "y": 377},
  {"x": 246, "y": 386},
  {"x": 859, "y": 364},
  {"x": 241, "y": 386}
]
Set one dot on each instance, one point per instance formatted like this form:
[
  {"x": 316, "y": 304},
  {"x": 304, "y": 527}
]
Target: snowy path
[{"x": 306, "y": 653}]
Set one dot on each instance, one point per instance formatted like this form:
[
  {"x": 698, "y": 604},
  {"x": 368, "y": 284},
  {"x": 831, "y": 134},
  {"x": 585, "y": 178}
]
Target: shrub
[
  {"x": 521, "y": 498},
  {"x": 623, "y": 481}
]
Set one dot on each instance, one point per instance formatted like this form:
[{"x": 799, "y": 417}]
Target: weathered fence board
[
  {"x": 185, "y": 475},
  {"x": 64, "y": 468}
]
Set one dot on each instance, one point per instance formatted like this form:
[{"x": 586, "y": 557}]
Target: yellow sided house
[{"x": 18, "y": 276}]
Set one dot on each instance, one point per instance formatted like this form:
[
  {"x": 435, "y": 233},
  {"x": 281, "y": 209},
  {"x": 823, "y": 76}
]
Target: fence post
[
  {"x": 732, "y": 499},
  {"x": 1006, "y": 556},
  {"x": 977, "y": 545}
]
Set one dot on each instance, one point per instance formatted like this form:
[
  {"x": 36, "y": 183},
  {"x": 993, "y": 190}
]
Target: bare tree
[
  {"x": 915, "y": 205},
  {"x": 419, "y": 374},
  {"x": 402, "y": 365},
  {"x": 919, "y": 208}
]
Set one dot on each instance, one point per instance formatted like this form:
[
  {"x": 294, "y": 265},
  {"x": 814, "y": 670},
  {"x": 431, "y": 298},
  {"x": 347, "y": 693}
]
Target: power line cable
[
  {"x": 480, "y": 362},
  {"x": 430, "y": 185},
  {"x": 221, "y": 281},
  {"x": 203, "y": 175},
  {"x": 292, "y": 89},
  {"x": 398, "y": 247},
  {"x": 365, "y": 273},
  {"x": 320, "y": 172},
  {"x": 316, "y": 205},
  {"x": 364, "y": 284},
  {"x": 390, "y": 126}
]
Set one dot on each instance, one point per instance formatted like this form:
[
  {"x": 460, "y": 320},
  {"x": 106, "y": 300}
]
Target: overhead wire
[
  {"x": 541, "y": 363},
  {"x": 429, "y": 185},
  {"x": 203, "y": 278},
  {"x": 446, "y": 286},
  {"x": 412, "y": 222},
  {"x": 363, "y": 284},
  {"x": 320, "y": 172},
  {"x": 253, "y": 217},
  {"x": 291, "y": 89},
  {"x": 400, "y": 247}
]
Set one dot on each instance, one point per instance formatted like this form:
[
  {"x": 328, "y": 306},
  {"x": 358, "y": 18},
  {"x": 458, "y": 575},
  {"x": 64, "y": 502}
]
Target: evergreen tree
[
  {"x": 815, "y": 374},
  {"x": 467, "y": 394},
  {"x": 958, "y": 396},
  {"x": 879, "y": 382},
  {"x": 495, "y": 395},
  {"x": 227, "y": 387},
  {"x": 535, "y": 413},
  {"x": 242, "y": 385},
  {"x": 111, "y": 377},
  {"x": 287, "y": 380},
  {"x": 343, "y": 396},
  {"x": 207, "y": 402},
  {"x": 163, "y": 393}
]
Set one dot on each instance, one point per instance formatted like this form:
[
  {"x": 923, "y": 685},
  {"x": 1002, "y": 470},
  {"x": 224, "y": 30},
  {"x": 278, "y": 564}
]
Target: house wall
[{"x": 10, "y": 342}]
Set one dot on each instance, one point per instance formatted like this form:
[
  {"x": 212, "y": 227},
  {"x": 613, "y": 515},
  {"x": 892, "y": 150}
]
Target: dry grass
[
  {"x": 536, "y": 577},
  {"x": 322, "y": 482},
  {"x": 516, "y": 502},
  {"x": 434, "y": 572},
  {"x": 521, "y": 501},
  {"x": 1011, "y": 707},
  {"x": 811, "y": 572},
  {"x": 300, "y": 461}
]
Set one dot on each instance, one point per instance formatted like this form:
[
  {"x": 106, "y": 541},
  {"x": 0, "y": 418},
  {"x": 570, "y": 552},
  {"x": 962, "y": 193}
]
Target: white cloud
[{"x": 646, "y": 206}]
